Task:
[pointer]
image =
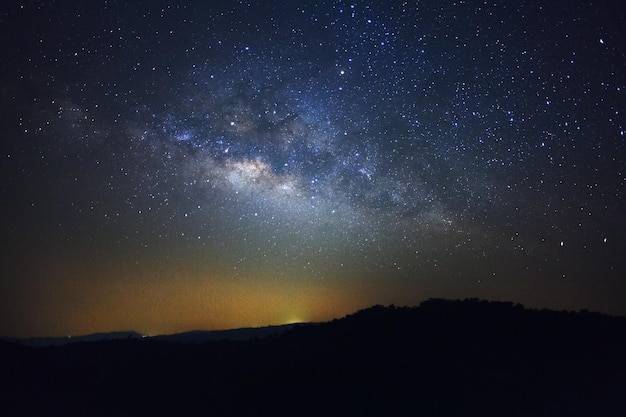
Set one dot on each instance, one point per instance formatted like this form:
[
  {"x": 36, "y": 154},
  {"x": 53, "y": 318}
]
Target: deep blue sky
[{"x": 170, "y": 166}]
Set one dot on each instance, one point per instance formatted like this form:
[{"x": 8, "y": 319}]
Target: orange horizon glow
[{"x": 157, "y": 299}]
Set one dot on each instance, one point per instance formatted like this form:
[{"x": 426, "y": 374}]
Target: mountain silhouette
[
  {"x": 196, "y": 336},
  {"x": 60, "y": 341},
  {"x": 443, "y": 358}
]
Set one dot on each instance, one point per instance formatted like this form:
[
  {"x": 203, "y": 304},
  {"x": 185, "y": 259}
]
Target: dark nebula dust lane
[{"x": 170, "y": 166}]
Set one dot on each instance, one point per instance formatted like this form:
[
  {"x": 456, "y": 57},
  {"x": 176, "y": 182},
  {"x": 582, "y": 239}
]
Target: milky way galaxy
[{"x": 171, "y": 166}]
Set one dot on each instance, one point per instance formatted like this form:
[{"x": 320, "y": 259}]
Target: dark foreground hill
[{"x": 443, "y": 358}]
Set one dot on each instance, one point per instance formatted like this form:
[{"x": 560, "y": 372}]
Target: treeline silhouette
[{"x": 443, "y": 358}]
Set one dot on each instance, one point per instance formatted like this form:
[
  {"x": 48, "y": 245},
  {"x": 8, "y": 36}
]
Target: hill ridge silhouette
[
  {"x": 247, "y": 333},
  {"x": 448, "y": 358}
]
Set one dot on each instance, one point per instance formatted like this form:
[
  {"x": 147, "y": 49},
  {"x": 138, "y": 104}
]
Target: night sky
[{"x": 208, "y": 165}]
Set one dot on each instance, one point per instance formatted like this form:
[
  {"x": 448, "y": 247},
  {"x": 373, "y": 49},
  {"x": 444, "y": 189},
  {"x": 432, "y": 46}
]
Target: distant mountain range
[
  {"x": 60, "y": 341},
  {"x": 196, "y": 336}
]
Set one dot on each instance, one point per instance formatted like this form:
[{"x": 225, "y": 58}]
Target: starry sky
[{"x": 169, "y": 166}]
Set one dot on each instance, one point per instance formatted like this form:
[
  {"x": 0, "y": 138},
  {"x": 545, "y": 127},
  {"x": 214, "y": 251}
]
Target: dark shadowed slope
[
  {"x": 243, "y": 334},
  {"x": 445, "y": 358}
]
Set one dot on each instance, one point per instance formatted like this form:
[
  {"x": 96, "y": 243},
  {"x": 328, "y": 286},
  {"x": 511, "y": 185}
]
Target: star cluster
[{"x": 321, "y": 155}]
